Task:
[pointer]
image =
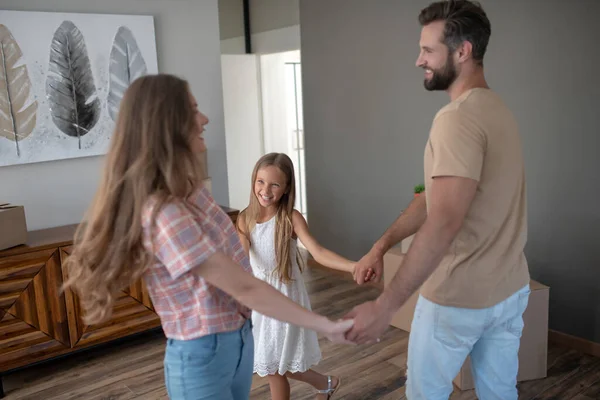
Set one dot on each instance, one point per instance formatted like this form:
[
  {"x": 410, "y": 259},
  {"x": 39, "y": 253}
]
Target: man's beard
[{"x": 441, "y": 80}]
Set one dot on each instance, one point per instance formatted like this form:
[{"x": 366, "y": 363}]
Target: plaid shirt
[{"x": 188, "y": 306}]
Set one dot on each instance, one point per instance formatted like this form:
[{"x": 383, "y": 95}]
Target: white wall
[
  {"x": 243, "y": 123},
  {"x": 188, "y": 45}
]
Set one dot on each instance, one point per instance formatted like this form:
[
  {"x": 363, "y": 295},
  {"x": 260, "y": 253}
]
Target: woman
[{"x": 152, "y": 218}]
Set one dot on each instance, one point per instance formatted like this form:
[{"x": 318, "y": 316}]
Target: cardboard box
[
  {"x": 13, "y": 227},
  {"x": 533, "y": 352},
  {"x": 405, "y": 244}
]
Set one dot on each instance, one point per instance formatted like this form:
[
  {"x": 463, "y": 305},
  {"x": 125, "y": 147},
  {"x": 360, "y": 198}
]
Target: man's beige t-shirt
[{"x": 476, "y": 136}]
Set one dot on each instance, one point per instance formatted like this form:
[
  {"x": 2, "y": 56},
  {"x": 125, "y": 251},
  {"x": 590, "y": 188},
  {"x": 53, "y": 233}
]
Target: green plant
[{"x": 419, "y": 188}]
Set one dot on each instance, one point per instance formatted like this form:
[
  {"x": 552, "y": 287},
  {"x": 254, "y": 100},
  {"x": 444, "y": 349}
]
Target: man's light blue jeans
[{"x": 441, "y": 338}]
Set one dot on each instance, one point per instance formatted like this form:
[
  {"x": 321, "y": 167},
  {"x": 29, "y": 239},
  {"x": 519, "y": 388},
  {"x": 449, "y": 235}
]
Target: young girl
[
  {"x": 268, "y": 228},
  {"x": 151, "y": 217}
]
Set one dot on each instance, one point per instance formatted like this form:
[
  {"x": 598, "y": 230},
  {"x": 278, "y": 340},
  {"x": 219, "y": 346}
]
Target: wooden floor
[{"x": 134, "y": 369}]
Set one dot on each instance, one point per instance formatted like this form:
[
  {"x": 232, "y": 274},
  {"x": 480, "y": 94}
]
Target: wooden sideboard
[{"x": 38, "y": 322}]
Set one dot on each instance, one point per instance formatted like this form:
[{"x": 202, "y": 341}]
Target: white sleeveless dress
[{"x": 280, "y": 347}]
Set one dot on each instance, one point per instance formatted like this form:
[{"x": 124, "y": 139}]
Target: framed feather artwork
[{"x": 62, "y": 78}]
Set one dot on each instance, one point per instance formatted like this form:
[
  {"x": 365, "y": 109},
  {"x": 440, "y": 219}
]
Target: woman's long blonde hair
[
  {"x": 284, "y": 228},
  {"x": 149, "y": 155}
]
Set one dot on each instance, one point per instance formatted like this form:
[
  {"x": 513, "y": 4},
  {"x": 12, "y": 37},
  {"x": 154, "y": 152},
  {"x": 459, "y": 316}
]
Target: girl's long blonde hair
[
  {"x": 149, "y": 155},
  {"x": 284, "y": 228}
]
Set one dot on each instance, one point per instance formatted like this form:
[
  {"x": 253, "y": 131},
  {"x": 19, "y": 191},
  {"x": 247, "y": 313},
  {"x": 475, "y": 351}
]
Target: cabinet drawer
[
  {"x": 33, "y": 314},
  {"x": 132, "y": 313}
]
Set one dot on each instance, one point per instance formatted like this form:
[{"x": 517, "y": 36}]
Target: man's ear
[{"x": 465, "y": 51}]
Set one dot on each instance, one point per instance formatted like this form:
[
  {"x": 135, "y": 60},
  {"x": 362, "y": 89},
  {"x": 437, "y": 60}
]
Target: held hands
[
  {"x": 336, "y": 331},
  {"x": 363, "y": 325},
  {"x": 371, "y": 320},
  {"x": 366, "y": 322},
  {"x": 368, "y": 268}
]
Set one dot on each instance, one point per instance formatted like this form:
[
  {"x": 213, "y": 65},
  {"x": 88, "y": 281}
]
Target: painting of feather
[
  {"x": 16, "y": 121},
  {"x": 70, "y": 87},
  {"x": 62, "y": 78},
  {"x": 126, "y": 65}
]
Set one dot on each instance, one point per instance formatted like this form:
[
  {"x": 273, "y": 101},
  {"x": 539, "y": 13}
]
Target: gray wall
[
  {"x": 231, "y": 18},
  {"x": 367, "y": 118},
  {"x": 265, "y": 15},
  {"x": 187, "y": 39}
]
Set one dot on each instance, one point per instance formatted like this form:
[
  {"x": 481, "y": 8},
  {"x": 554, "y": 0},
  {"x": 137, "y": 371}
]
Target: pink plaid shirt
[{"x": 188, "y": 306}]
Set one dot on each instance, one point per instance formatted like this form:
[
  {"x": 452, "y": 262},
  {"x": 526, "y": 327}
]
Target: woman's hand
[{"x": 336, "y": 331}]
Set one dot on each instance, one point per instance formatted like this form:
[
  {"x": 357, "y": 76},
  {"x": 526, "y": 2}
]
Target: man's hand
[
  {"x": 337, "y": 331},
  {"x": 369, "y": 268},
  {"x": 370, "y": 322}
]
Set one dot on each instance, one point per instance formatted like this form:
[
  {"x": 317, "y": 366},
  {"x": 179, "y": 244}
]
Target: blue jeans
[
  {"x": 216, "y": 367},
  {"x": 441, "y": 338}
]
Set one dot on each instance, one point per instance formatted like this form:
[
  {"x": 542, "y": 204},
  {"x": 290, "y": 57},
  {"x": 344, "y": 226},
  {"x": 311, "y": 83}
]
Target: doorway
[
  {"x": 283, "y": 127},
  {"x": 263, "y": 114}
]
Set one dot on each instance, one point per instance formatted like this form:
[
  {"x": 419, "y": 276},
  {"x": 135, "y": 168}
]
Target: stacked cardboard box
[
  {"x": 534, "y": 341},
  {"x": 13, "y": 227}
]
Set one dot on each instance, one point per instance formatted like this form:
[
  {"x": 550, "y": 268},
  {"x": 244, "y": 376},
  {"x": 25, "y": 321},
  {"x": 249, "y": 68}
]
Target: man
[{"x": 467, "y": 255}]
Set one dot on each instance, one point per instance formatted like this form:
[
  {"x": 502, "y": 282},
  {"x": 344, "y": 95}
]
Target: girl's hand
[
  {"x": 336, "y": 330},
  {"x": 352, "y": 268},
  {"x": 368, "y": 276},
  {"x": 370, "y": 265}
]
